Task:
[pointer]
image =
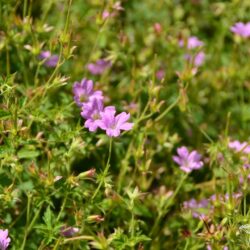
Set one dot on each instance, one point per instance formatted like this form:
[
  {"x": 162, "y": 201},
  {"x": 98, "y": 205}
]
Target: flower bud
[
  {"x": 87, "y": 174},
  {"x": 158, "y": 28},
  {"x": 95, "y": 218}
]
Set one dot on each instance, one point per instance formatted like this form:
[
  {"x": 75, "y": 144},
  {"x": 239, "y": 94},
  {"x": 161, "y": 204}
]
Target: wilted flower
[
  {"x": 188, "y": 161},
  {"x": 237, "y": 146},
  {"x": 4, "y": 239},
  {"x": 241, "y": 29},
  {"x": 132, "y": 107},
  {"x": 98, "y": 67},
  {"x": 114, "y": 124},
  {"x": 49, "y": 59},
  {"x": 69, "y": 231},
  {"x": 192, "y": 42},
  {"x": 91, "y": 111},
  {"x": 83, "y": 92},
  {"x": 117, "y": 6},
  {"x": 57, "y": 178}
]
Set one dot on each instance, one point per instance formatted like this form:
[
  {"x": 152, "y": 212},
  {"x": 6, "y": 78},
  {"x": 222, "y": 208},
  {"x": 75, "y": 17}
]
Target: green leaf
[
  {"x": 4, "y": 114},
  {"x": 26, "y": 186},
  {"x": 245, "y": 112},
  {"x": 27, "y": 153},
  {"x": 5, "y": 150},
  {"x": 142, "y": 210},
  {"x": 47, "y": 218}
]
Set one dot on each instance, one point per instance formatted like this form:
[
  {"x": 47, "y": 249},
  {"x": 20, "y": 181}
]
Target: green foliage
[
  {"x": 50, "y": 229},
  {"x": 124, "y": 193}
]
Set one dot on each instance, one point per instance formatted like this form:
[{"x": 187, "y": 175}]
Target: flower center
[
  {"x": 83, "y": 98},
  {"x": 113, "y": 126},
  {"x": 96, "y": 116}
]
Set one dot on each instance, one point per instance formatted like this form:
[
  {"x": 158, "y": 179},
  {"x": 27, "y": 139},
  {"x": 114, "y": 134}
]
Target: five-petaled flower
[
  {"x": 91, "y": 111},
  {"x": 196, "y": 206},
  {"x": 49, "y": 59},
  {"x": 241, "y": 29},
  {"x": 197, "y": 60},
  {"x": 188, "y": 161},
  {"x": 83, "y": 92},
  {"x": 4, "y": 239},
  {"x": 114, "y": 124},
  {"x": 191, "y": 43},
  {"x": 94, "y": 112},
  {"x": 99, "y": 66},
  {"x": 239, "y": 147}
]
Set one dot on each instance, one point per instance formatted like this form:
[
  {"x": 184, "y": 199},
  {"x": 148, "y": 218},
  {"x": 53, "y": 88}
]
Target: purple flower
[
  {"x": 69, "y": 231},
  {"x": 197, "y": 60},
  {"x": 91, "y": 111},
  {"x": 114, "y": 124},
  {"x": 105, "y": 15},
  {"x": 241, "y": 29},
  {"x": 188, "y": 161},
  {"x": 191, "y": 204},
  {"x": 4, "y": 239},
  {"x": 83, "y": 92},
  {"x": 209, "y": 247},
  {"x": 50, "y": 60},
  {"x": 98, "y": 67},
  {"x": 237, "y": 146},
  {"x": 160, "y": 74},
  {"x": 194, "y": 206},
  {"x": 192, "y": 42},
  {"x": 235, "y": 196},
  {"x": 198, "y": 204}
]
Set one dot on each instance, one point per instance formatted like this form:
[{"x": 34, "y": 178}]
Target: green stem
[
  {"x": 67, "y": 18},
  {"x": 95, "y": 43},
  {"x": 7, "y": 60},
  {"x": 82, "y": 237},
  {"x": 58, "y": 242},
  {"x": 25, "y": 8},
  {"x": 168, "y": 109},
  {"x": 186, "y": 245},
  {"x": 28, "y": 228},
  {"x": 178, "y": 188},
  {"x": 245, "y": 204},
  {"x": 28, "y": 209},
  {"x": 62, "y": 207},
  {"x": 132, "y": 225},
  {"x": 165, "y": 208},
  {"x": 59, "y": 64},
  {"x": 105, "y": 172},
  {"x": 124, "y": 167}
]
